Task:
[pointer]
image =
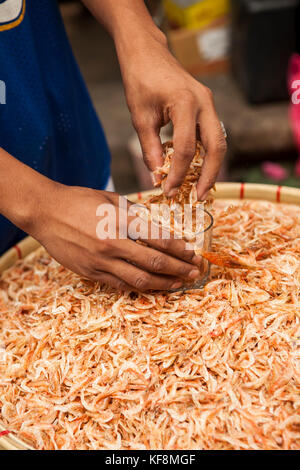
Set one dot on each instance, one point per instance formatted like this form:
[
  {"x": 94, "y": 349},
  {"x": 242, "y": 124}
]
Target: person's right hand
[{"x": 66, "y": 226}]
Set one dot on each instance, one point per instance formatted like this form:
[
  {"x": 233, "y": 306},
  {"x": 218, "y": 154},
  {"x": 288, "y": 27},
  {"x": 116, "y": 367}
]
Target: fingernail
[
  {"x": 197, "y": 259},
  {"x": 176, "y": 285},
  {"x": 172, "y": 192},
  {"x": 194, "y": 273},
  {"x": 203, "y": 197}
]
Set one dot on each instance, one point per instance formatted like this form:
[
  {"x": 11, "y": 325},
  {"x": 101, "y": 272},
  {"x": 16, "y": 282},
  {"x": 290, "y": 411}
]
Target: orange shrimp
[{"x": 226, "y": 260}]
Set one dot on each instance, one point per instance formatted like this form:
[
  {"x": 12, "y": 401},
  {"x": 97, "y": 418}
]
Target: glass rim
[{"x": 210, "y": 223}]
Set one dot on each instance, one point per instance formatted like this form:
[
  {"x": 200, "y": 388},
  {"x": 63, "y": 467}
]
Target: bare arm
[
  {"x": 22, "y": 190},
  {"x": 158, "y": 90}
]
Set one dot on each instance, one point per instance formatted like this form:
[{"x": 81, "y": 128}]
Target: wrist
[
  {"x": 31, "y": 212},
  {"x": 137, "y": 56},
  {"x": 136, "y": 37},
  {"x": 24, "y": 193}
]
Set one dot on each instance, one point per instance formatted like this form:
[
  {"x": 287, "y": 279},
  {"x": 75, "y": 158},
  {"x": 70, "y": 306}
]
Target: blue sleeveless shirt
[{"x": 46, "y": 116}]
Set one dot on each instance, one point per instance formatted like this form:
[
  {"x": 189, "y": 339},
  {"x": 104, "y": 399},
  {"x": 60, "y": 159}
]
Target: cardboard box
[{"x": 202, "y": 51}]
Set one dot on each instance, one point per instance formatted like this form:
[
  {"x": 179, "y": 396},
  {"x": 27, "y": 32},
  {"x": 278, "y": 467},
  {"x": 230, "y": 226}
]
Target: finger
[
  {"x": 214, "y": 142},
  {"x": 184, "y": 138},
  {"x": 110, "y": 280},
  {"x": 161, "y": 239},
  {"x": 154, "y": 261},
  {"x": 151, "y": 145},
  {"x": 174, "y": 247},
  {"x": 141, "y": 280},
  {"x": 152, "y": 234},
  {"x": 152, "y": 148}
]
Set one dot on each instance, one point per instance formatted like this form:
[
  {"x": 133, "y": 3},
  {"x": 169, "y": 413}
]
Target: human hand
[
  {"x": 66, "y": 226},
  {"x": 159, "y": 90}
]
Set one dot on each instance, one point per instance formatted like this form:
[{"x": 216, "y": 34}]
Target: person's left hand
[{"x": 158, "y": 90}]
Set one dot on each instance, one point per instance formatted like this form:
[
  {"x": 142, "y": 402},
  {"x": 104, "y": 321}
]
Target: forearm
[
  {"x": 128, "y": 21},
  {"x": 22, "y": 190},
  {"x": 158, "y": 90}
]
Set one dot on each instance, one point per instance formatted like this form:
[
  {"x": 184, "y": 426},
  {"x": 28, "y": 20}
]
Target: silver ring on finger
[{"x": 223, "y": 129}]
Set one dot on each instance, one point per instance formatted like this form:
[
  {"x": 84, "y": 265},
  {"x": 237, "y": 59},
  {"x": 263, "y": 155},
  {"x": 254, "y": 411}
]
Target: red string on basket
[
  {"x": 18, "y": 250},
  {"x": 278, "y": 193},
  {"x": 4, "y": 433},
  {"x": 242, "y": 191}
]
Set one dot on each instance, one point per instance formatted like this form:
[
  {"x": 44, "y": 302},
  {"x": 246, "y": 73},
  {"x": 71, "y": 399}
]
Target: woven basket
[{"x": 232, "y": 191}]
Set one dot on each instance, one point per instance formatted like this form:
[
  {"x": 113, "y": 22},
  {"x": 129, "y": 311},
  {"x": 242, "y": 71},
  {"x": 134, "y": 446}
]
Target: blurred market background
[{"x": 245, "y": 51}]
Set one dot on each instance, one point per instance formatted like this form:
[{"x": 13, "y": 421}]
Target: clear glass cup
[
  {"x": 202, "y": 242},
  {"x": 199, "y": 240}
]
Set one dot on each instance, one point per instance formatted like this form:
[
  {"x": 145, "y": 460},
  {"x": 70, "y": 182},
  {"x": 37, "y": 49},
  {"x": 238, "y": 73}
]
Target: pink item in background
[
  {"x": 294, "y": 89},
  {"x": 297, "y": 168},
  {"x": 274, "y": 171}
]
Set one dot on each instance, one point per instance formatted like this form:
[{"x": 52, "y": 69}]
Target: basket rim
[{"x": 233, "y": 191}]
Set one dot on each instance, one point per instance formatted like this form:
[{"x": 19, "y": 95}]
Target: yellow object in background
[{"x": 193, "y": 14}]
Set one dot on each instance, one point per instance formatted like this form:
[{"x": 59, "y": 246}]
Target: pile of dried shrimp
[{"x": 86, "y": 367}]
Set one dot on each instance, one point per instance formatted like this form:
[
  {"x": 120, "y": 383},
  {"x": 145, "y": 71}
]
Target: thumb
[{"x": 151, "y": 147}]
